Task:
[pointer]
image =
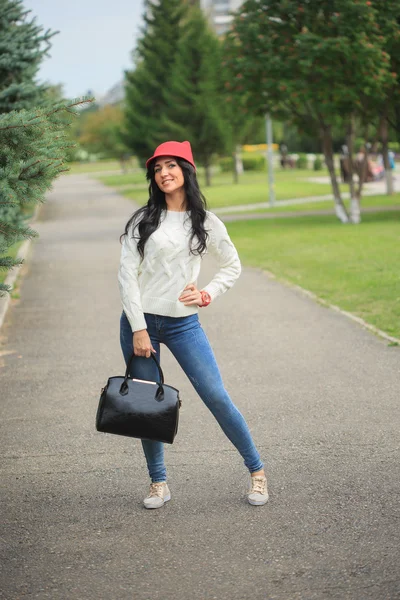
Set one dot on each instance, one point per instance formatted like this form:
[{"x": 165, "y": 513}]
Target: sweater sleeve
[
  {"x": 129, "y": 283},
  {"x": 221, "y": 247}
]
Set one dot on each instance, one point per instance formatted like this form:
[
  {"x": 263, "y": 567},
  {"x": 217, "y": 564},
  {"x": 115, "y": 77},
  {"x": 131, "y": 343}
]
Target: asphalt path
[{"x": 320, "y": 394}]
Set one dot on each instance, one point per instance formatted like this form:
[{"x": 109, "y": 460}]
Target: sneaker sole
[
  {"x": 257, "y": 502},
  {"x": 166, "y": 499}
]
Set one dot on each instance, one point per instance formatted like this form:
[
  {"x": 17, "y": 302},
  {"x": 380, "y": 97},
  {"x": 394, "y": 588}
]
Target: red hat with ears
[{"x": 178, "y": 149}]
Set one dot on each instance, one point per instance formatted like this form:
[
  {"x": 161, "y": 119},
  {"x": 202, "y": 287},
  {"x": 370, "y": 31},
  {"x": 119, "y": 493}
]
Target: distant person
[
  {"x": 364, "y": 165},
  {"x": 284, "y": 154},
  {"x": 286, "y": 160},
  {"x": 162, "y": 249},
  {"x": 391, "y": 158},
  {"x": 377, "y": 170},
  {"x": 392, "y": 161},
  {"x": 344, "y": 164}
]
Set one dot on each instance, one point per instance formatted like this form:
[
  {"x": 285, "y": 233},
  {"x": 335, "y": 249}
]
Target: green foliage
[
  {"x": 194, "y": 108},
  {"x": 33, "y": 145},
  {"x": 23, "y": 45},
  {"x": 76, "y": 130},
  {"x": 175, "y": 90},
  {"x": 318, "y": 164},
  {"x": 307, "y": 61},
  {"x": 242, "y": 127},
  {"x": 226, "y": 164},
  {"x": 301, "y": 142},
  {"x": 250, "y": 163},
  {"x": 302, "y": 162},
  {"x": 154, "y": 59},
  {"x": 101, "y": 132},
  {"x": 316, "y": 65},
  {"x": 254, "y": 163},
  {"x": 387, "y": 28}
]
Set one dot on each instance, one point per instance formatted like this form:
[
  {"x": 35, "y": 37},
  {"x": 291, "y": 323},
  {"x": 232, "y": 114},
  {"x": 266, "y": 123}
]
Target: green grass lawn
[
  {"x": 367, "y": 201},
  {"x": 253, "y": 187},
  {"x": 93, "y": 167},
  {"x": 355, "y": 267},
  {"x": 136, "y": 180}
]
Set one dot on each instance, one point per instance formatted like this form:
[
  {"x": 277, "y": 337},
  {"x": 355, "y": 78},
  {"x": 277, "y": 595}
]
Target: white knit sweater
[{"x": 153, "y": 284}]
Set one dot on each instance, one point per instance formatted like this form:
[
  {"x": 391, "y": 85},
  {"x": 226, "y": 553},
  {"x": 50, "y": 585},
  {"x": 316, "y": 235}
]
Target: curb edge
[
  {"x": 11, "y": 278},
  {"x": 345, "y": 313}
]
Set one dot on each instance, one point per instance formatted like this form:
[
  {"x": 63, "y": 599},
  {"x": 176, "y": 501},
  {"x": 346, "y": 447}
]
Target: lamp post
[{"x": 268, "y": 126}]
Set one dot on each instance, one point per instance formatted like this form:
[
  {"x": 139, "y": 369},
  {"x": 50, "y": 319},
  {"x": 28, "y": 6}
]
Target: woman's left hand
[{"x": 191, "y": 296}]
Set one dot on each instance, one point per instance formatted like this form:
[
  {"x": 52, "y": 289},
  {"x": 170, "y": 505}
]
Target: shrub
[
  {"x": 250, "y": 163},
  {"x": 254, "y": 163},
  {"x": 226, "y": 164},
  {"x": 302, "y": 162},
  {"x": 318, "y": 164}
]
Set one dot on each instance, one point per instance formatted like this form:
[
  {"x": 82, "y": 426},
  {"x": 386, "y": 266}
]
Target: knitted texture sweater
[{"x": 153, "y": 284}]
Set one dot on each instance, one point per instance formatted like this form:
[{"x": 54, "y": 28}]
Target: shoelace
[
  {"x": 156, "y": 490},
  {"x": 258, "y": 485}
]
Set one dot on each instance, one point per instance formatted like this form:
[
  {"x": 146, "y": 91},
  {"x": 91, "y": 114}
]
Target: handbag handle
[
  {"x": 124, "y": 386},
  {"x": 153, "y": 356}
]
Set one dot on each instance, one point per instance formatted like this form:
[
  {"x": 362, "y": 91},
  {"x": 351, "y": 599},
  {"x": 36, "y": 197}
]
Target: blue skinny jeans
[{"x": 187, "y": 341}]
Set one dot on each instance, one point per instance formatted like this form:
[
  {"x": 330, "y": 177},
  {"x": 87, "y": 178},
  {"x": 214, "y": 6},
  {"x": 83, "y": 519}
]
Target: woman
[{"x": 162, "y": 248}]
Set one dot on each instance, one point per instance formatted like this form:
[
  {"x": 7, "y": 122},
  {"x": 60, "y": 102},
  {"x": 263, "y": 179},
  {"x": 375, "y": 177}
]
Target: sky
[{"x": 94, "y": 44}]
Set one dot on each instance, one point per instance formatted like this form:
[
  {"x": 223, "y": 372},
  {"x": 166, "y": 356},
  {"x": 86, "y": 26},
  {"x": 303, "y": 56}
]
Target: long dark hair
[{"x": 147, "y": 218}]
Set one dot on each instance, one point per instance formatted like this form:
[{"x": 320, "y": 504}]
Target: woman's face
[{"x": 168, "y": 175}]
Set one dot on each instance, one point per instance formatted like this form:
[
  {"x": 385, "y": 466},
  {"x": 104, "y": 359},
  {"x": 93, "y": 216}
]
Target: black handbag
[{"x": 141, "y": 409}]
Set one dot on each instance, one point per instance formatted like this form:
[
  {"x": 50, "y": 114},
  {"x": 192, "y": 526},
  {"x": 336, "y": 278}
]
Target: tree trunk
[
  {"x": 327, "y": 147},
  {"x": 355, "y": 212},
  {"x": 207, "y": 171},
  {"x": 385, "y": 154},
  {"x": 237, "y": 164}
]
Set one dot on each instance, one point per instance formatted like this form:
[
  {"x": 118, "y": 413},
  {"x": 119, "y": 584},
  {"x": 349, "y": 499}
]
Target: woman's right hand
[{"x": 142, "y": 345}]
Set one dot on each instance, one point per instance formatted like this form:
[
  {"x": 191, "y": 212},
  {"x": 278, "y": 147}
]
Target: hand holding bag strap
[{"x": 124, "y": 386}]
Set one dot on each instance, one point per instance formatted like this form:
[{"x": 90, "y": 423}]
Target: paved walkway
[{"x": 320, "y": 395}]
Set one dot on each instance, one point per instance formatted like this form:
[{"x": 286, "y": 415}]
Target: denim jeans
[{"x": 187, "y": 341}]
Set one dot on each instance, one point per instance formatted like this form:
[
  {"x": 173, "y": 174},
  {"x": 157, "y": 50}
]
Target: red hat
[{"x": 179, "y": 149}]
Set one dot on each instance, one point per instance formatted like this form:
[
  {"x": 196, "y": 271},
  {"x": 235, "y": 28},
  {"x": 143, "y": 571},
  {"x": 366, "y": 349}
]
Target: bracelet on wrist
[{"x": 205, "y": 299}]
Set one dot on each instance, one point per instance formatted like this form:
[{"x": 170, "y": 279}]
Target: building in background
[{"x": 219, "y": 13}]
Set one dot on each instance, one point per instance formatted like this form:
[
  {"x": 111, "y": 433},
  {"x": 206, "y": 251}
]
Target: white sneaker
[
  {"x": 159, "y": 494},
  {"x": 258, "y": 494}
]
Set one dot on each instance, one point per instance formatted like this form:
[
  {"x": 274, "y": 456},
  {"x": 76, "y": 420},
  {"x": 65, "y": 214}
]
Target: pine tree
[
  {"x": 195, "y": 108},
  {"x": 154, "y": 58},
  {"x": 33, "y": 146},
  {"x": 32, "y": 142},
  {"x": 23, "y": 45}
]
